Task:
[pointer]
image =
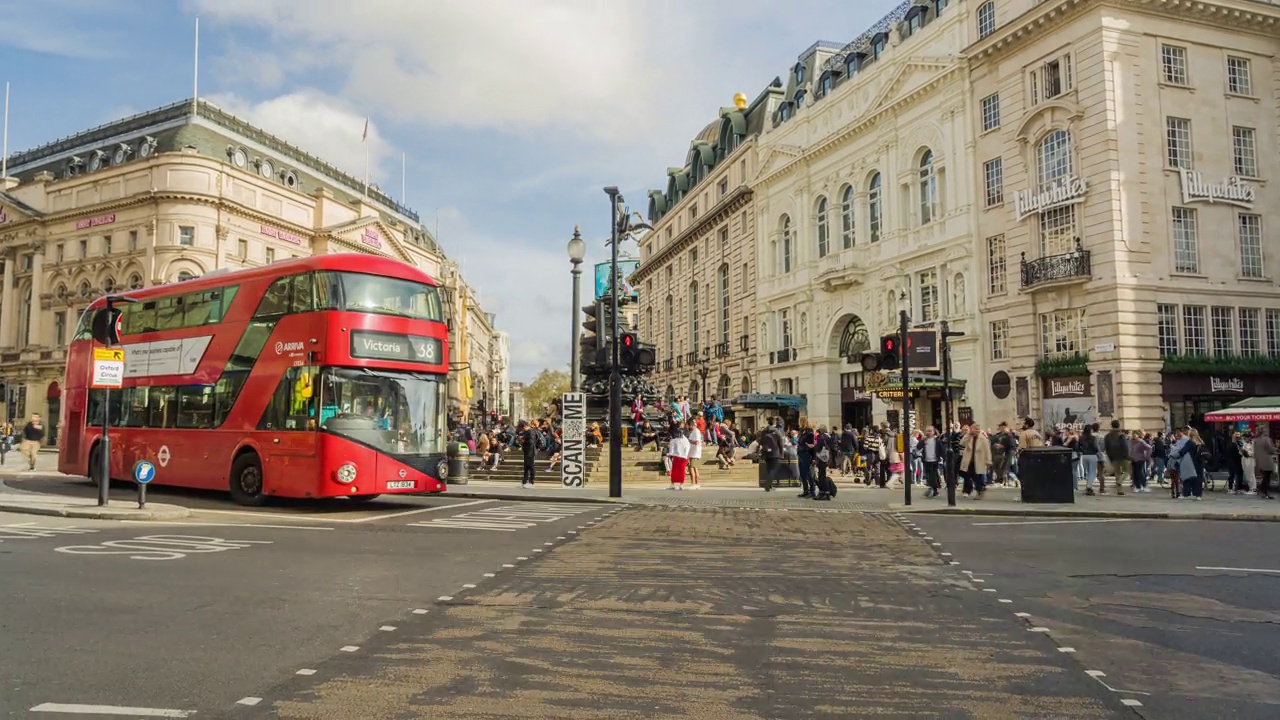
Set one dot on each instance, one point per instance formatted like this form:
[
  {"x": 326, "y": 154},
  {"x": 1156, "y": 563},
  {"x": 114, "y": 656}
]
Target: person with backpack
[{"x": 527, "y": 437}]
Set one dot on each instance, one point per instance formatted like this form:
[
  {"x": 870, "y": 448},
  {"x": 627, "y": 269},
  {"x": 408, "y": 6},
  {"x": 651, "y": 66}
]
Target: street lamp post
[
  {"x": 577, "y": 251},
  {"x": 704, "y": 369},
  {"x": 615, "y": 376},
  {"x": 903, "y": 321}
]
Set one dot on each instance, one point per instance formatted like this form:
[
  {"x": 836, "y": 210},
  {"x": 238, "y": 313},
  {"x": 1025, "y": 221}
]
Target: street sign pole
[
  {"x": 107, "y": 332},
  {"x": 905, "y": 450},
  {"x": 143, "y": 473}
]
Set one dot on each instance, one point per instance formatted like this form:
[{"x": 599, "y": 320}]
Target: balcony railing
[
  {"x": 744, "y": 343},
  {"x": 781, "y": 356},
  {"x": 1074, "y": 265},
  {"x": 722, "y": 350},
  {"x": 667, "y": 364},
  {"x": 691, "y": 357}
]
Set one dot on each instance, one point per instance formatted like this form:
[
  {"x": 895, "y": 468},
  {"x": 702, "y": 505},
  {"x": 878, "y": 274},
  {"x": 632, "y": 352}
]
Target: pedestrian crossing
[{"x": 508, "y": 518}]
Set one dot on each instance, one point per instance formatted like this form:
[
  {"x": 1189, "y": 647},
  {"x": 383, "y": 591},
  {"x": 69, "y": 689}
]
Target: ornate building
[
  {"x": 1127, "y": 221},
  {"x": 864, "y": 199},
  {"x": 696, "y": 277},
  {"x": 163, "y": 197}
]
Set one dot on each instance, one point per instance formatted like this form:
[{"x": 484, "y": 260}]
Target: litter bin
[
  {"x": 459, "y": 460},
  {"x": 787, "y": 474},
  {"x": 1047, "y": 475}
]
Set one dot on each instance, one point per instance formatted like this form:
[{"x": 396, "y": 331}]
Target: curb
[
  {"x": 481, "y": 495},
  {"x": 1111, "y": 514},
  {"x": 159, "y": 512}
]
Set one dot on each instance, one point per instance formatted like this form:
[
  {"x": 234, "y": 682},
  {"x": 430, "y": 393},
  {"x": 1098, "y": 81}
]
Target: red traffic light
[{"x": 628, "y": 340}]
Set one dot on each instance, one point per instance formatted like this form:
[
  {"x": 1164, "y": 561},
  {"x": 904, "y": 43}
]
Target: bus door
[{"x": 288, "y": 433}]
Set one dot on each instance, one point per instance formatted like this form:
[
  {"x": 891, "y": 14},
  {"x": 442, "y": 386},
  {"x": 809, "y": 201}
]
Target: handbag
[{"x": 824, "y": 456}]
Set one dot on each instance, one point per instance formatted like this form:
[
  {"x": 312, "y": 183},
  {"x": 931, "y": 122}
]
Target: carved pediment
[
  {"x": 777, "y": 157},
  {"x": 1057, "y": 113},
  {"x": 909, "y": 77},
  {"x": 368, "y": 235},
  {"x": 14, "y": 211}
]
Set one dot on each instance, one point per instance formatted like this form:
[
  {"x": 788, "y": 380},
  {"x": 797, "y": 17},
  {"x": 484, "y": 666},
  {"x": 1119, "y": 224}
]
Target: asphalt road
[
  {"x": 193, "y": 616},
  {"x": 1185, "y": 614}
]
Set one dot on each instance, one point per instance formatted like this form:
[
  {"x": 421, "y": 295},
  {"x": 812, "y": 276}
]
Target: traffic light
[
  {"x": 590, "y": 343},
  {"x": 634, "y": 356},
  {"x": 889, "y": 357}
]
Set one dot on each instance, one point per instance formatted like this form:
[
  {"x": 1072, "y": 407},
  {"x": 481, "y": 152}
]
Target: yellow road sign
[{"x": 116, "y": 354}]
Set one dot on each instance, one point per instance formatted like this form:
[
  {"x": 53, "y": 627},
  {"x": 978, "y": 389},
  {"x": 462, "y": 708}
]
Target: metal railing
[{"x": 1067, "y": 266}]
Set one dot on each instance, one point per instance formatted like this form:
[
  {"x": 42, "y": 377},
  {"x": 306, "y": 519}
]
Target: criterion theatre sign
[
  {"x": 1233, "y": 190},
  {"x": 1067, "y": 191}
]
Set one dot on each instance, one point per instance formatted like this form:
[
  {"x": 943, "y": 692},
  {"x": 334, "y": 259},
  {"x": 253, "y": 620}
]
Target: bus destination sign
[{"x": 394, "y": 346}]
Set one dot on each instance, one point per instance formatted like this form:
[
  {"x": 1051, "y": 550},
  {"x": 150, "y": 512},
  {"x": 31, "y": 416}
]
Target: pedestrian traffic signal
[
  {"x": 889, "y": 357},
  {"x": 635, "y": 357}
]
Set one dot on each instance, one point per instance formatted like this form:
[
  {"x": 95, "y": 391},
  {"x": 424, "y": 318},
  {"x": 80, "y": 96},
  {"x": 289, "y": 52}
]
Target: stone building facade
[
  {"x": 1128, "y": 225},
  {"x": 163, "y": 197},
  {"x": 864, "y": 201},
  {"x": 697, "y": 272}
]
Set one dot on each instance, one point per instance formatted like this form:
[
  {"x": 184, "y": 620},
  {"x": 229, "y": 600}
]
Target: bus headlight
[
  {"x": 442, "y": 469},
  {"x": 347, "y": 474}
]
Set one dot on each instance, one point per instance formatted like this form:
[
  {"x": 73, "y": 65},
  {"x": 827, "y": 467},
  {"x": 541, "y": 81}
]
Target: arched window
[
  {"x": 693, "y": 316},
  {"x": 723, "y": 388},
  {"x": 986, "y": 19},
  {"x": 784, "y": 225},
  {"x": 135, "y": 281},
  {"x": 184, "y": 276},
  {"x": 800, "y": 99},
  {"x": 671, "y": 326},
  {"x": 1054, "y": 166},
  {"x": 823, "y": 228},
  {"x": 854, "y": 339},
  {"x": 846, "y": 217},
  {"x": 928, "y": 189},
  {"x": 85, "y": 290},
  {"x": 109, "y": 285},
  {"x": 26, "y": 318},
  {"x": 724, "y": 303},
  {"x": 873, "y": 208},
  {"x": 746, "y": 385}
]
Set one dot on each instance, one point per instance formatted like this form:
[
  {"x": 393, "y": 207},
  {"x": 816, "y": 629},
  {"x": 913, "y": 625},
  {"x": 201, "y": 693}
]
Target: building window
[
  {"x": 106, "y": 245},
  {"x": 1178, "y": 142},
  {"x": 1167, "y": 329},
  {"x": 270, "y": 255},
  {"x": 928, "y": 296},
  {"x": 84, "y": 249},
  {"x": 939, "y": 6},
  {"x": 823, "y": 227},
  {"x": 1186, "y": 241},
  {"x": 1055, "y": 162},
  {"x": 59, "y": 329},
  {"x": 784, "y": 329},
  {"x": 785, "y": 260},
  {"x": 1249, "y": 230},
  {"x": 1052, "y": 79},
  {"x": 799, "y": 99},
  {"x": 1239, "y": 76},
  {"x": 694, "y": 307},
  {"x": 997, "y": 265},
  {"x": 1062, "y": 333},
  {"x": 928, "y": 189},
  {"x": 724, "y": 302},
  {"x": 1193, "y": 330},
  {"x": 878, "y": 46},
  {"x": 671, "y": 325},
  {"x": 1250, "y": 332},
  {"x": 993, "y": 172},
  {"x": 25, "y": 337},
  {"x": 723, "y": 235},
  {"x": 722, "y": 189},
  {"x": 846, "y": 217},
  {"x": 991, "y": 112},
  {"x": 186, "y": 235},
  {"x": 693, "y": 212},
  {"x": 1173, "y": 61},
  {"x": 1223, "y": 327},
  {"x": 28, "y": 261},
  {"x": 1057, "y": 227},
  {"x": 133, "y": 241},
  {"x": 873, "y": 208},
  {"x": 1000, "y": 340},
  {"x": 986, "y": 19},
  {"x": 57, "y": 253},
  {"x": 1244, "y": 151},
  {"x": 242, "y": 249},
  {"x": 1273, "y": 333}
]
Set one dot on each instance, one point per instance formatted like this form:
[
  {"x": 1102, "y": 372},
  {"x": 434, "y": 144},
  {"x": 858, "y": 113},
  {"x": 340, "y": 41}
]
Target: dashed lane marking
[
  {"x": 349, "y": 648},
  {"x": 250, "y": 701},
  {"x": 305, "y": 671},
  {"x": 419, "y": 611},
  {"x": 387, "y": 628},
  {"x": 1235, "y": 569},
  {"x": 78, "y": 709},
  {"x": 33, "y": 531}
]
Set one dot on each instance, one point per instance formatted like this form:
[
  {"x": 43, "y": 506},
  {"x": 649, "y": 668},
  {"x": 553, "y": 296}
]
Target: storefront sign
[
  {"x": 1232, "y": 190},
  {"x": 1226, "y": 385},
  {"x": 573, "y": 436},
  {"x": 1181, "y": 386},
  {"x": 1067, "y": 403},
  {"x": 284, "y": 235},
  {"x": 1067, "y": 387},
  {"x": 965, "y": 415},
  {"x": 371, "y": 238},
  {"x": 1068, "y": 191},
  {"x": 93, "y": 222}
]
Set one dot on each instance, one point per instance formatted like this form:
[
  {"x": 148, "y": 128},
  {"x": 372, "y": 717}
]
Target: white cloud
[{"x": 320, "y": 125}]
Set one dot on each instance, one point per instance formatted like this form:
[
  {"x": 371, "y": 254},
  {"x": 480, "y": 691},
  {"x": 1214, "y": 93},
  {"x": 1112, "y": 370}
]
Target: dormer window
[
  {"x": 938, "y": 7},
  {"x": 824, "y": 86},
  {"x": 799, "y": 72},
  {"x": 800, "y": 99},
  {"x": 784, "y": 112},
  {"x": 878, "y": 45},
  {"x": 851, "y": 65},
  {"x": 915, "y": 20}
]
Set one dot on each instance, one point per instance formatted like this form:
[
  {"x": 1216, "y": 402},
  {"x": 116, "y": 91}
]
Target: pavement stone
[
  {"x": 710, "y": 613},
  {"x": 1156, "y": 505}
]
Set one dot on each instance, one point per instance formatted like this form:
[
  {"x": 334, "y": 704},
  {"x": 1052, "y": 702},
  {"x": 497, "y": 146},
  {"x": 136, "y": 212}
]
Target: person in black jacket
[
  {"x": 528, "y": 441},
  {"x": 771, "y": 454}
]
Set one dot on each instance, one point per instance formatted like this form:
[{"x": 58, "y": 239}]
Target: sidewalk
[
  {"x": 1154, "y": 505},
  {"x": 33, "y": 503}
]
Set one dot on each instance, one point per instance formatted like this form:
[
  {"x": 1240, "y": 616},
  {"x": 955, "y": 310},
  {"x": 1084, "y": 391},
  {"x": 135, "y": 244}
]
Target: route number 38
[{"x": 426, "y": 351}]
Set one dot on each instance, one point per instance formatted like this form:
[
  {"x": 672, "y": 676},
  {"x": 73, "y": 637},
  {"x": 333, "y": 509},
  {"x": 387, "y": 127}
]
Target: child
[{"x": 678, "y": 453}]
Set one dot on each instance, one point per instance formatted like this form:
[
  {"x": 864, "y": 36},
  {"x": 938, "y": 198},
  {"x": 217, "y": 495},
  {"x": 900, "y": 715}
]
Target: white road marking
[
  {"x": 349, "y": 648},
  {"x": 937, "y": 544},
  {"x": 1055, "y": 522},
  {"x": 491, "y": 575},
  {"x": 946, "y": 554},
  {"x": 419, "y": 611},
  {"x": 1040, "y": 629},
  {"x": 328, "y": 517},
  {"x": 1066, "y": 650},
  {"x": 419, "y": 510},
  {"x": 32, "y": 531},
  {"x": 469, "y": 586},
  {"x": 153, "y": 523},
  {"x": 1235, "y": 569},
  {"x": 522, "y": 557},
  {"x": 537, "y": 549},
  {"x": 507, "y": 565},
  {"x": 1022, "y": 615},
  {"x": 305, "y": 671},
  {"x": 974, "y": 579},
  {"x": 110, "y": 710},
  {"x": 444, "y": 598},
  {"x": 988, "y": 589},
  {"x": 387, "y": 628},
  {"x": 508, "y": 518},
  {"x": 953, "y": 562},
  {"x": 1098, "y": 675},
  {"x": 250, "y": 701},
  {"x": 161, "y": 547},
  {"x": 1005, "y": 600},
  {"x": 1130, "y": 702}
]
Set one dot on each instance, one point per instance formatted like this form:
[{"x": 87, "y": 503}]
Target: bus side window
[
  {"x": 135, "y": 406},
  {"x": 328, "y": 290},
  {"x": 293, "y": 405},
  {"x": 275, "y": 301},
  {"x": 141, "y": 319},
  {"x": 303, "y": 293},
  {"x": 168, "y": 313},
  {"x": 162, "y": 406}
]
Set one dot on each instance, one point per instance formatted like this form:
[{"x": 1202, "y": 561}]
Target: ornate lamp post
[{"x": 577, "y": 251}]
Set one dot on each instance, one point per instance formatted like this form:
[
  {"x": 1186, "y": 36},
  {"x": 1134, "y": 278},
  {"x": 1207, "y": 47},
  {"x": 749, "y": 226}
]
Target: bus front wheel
[{"x": 246, "y": 480}]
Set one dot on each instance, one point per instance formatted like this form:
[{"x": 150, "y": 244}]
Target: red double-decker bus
[{"x": 311, "y": 378}]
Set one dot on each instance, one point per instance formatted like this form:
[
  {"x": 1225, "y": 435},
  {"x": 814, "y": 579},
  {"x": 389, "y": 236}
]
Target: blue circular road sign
[{"x": 144, "y": 472}]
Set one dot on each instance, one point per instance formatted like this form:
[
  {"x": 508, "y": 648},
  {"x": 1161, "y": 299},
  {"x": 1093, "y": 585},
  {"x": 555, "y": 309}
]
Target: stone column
[
  {"x": 39, "y": 317},
  {"x": 8, "y": 303}
]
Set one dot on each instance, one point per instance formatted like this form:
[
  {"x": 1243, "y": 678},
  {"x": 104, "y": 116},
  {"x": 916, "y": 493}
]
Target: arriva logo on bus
[{"x": 284, "y": 347}]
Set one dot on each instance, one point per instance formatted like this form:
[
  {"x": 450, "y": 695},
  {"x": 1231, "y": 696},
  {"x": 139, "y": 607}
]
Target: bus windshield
[
  {"x": 395, "y": 412},
  {"x": 377, "y": 294}
]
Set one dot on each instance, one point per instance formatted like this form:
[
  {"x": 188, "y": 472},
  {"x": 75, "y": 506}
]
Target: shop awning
[
  {"x": 1259, "y": 409},
  {"x": 770, "y": 400}
]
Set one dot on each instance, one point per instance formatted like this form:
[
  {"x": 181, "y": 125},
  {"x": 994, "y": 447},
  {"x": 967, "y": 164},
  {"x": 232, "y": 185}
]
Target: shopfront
[
  {"x": 855, "y": 400},
  {"x": 766, "y": 406},
  {"x": 1190, "y": 396},
  {"x": 925, "y": 394}
]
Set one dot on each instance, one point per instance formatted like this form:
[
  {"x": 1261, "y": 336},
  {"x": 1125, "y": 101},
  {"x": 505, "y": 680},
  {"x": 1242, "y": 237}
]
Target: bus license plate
[{"x": 399, "y": 484}]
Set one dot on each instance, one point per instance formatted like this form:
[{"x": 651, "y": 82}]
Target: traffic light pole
[
  {"x": 615, "y": 374},
  {"x": 948, "y": 472},
  {"x": 905, "y": 454}
]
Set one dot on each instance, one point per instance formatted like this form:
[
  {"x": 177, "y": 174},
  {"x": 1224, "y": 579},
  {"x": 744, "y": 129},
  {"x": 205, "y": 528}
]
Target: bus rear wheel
[
  {"x": 95, "y": 466},
  {"x": 246, "y": 480}
]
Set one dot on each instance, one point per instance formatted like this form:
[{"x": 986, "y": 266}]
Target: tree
[{"x": 547, "y": 386}]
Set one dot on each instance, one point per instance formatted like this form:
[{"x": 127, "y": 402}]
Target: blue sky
[{"x": 513, "y": 114}]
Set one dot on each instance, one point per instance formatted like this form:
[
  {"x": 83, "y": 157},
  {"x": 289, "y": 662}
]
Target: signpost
[
  {"x": 143, "y": 473},
  {"x": 573, "y": 438},
  {"x": 107, "y": 373}
]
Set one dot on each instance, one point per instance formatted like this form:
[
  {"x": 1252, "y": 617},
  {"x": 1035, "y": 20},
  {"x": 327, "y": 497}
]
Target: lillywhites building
[
  {"x": 166, "y": 196},
  {"x": 1128, "y": 220},
  {"x": 865, "y": 205}
]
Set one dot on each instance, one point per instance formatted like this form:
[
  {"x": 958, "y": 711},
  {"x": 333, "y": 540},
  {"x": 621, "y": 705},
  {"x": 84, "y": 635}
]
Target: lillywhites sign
[
  {"x": 573, "y": 436},
  {"x": 1232, "y": 190},
  {"x": 1225, "y": 385},
  {"x": 1067, "y": 387},
  {"x": 1067, "y": 191},
  {"x": 1075, "y": 387}
]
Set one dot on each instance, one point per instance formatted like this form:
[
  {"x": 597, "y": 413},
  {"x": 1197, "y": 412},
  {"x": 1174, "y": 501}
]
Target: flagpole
[
  {"x": 4, "y": 163},
  {"x": 404, "y": 180},
  {"x": 366, "y": 168},
  {"x": 195, "y": 71}
]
